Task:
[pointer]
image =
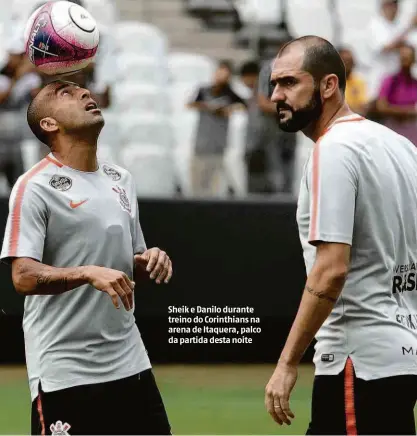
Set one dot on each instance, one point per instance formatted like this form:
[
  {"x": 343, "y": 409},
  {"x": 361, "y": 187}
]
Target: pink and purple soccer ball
[{"x": 61, "y": 38}]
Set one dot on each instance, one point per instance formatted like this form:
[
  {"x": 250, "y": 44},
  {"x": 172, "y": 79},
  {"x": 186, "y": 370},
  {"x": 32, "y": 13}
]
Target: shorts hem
[{"x": 58, "y": 386}]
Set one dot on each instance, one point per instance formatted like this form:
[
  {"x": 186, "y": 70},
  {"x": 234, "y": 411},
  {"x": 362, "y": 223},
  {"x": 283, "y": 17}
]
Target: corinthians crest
[
  {"x": 60, "y": 429},
  {"x": 123, "y": 200}
]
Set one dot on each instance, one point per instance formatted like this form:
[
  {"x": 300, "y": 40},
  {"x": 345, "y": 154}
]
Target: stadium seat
[
  {"x": 152, "y": 169},
  {"x": 262, "y": 27},
  {"x": 310, "y": 17},
  {"x": 104, "y": 12},
  {"x": 141, "y": 38},
  {"x": 235, "y": 153},
  {"x": 130, "y": 96},
  {"x": 355, "y": 15},
  {"x": 30, "y": 153},
  {"x": 146, "y": 129},
  {"x": 180, "y": 95},
  {"x": 261, "y": 11},
  {"x": 184, "y": 128},
  {"x": 110, "y": 133},
  {"x": 190, "y": 68},
  {"x": 141, "y": 69},
  {"x": 4, "y": 187},
  {"x": 215, "y": 13},
  {"x": 357, "y": 42}
]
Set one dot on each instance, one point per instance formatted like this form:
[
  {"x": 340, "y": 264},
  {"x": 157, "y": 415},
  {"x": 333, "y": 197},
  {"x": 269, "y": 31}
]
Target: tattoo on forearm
[
  {"x": 320, "y": 295},
  {"x": 64, "y": 282},
  {"x": 43, "y": 279}
]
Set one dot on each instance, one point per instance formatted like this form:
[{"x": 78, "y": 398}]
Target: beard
[{"x": 303, "y": 117}]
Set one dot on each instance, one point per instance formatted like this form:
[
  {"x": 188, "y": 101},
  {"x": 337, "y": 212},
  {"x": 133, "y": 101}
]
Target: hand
[
  {"x": 115, "y": 283},
  {"x": 224, "y": 111},
  {"x": 277, "y": 393},
  {"x": 157, "y": 263}
]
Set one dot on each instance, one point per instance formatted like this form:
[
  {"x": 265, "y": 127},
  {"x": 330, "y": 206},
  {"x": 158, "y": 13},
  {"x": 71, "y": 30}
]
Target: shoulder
[
  {"x": 115, "y": 172},
  {"x": 357, "y": 136},
  {"x": 38, "y": 175},
  {"x": 348, "y": 135},
  {"x": 31, "y": 184}
]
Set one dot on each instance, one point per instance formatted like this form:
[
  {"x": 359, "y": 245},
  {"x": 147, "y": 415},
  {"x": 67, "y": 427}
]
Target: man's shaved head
[
  {"x": 40, "y": 108},
  {"x": 61, "y": 106},
  {"x": 320, "y": 58}
]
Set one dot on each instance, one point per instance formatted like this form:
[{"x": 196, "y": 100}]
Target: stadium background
[{"x": 238, "y": 252}]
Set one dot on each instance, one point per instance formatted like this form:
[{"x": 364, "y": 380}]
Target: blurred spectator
[
  {"x": 386, "y": 34},
  {"x": 275, "y": 148},
  {"x": 356, "y": 87},
  {"x": 18, "y": 84},
  {"x": 249, "y": 75},
  {"x": 215, "y": 103},
  {"x": 397, "y": 100},
  {"x": 255, "y": 158}
]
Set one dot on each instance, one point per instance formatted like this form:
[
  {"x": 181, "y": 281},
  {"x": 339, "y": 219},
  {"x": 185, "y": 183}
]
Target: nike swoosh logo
[{"x": 75, "y": 205}]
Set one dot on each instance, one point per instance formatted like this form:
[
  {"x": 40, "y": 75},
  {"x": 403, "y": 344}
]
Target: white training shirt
[
  {"x": 67, "y": 218},
  {"x": 360, "y": 188}
]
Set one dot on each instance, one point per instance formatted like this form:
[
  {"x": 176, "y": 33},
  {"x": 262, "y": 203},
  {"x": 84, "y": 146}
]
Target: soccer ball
[{"x": 61, "y": 38}]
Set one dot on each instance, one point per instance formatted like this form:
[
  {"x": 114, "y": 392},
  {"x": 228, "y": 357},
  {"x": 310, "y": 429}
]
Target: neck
[
  {"x": 328, "y": 117},
  {"x": 406, "y": 71},
  {"x": 76, "y": 153}
]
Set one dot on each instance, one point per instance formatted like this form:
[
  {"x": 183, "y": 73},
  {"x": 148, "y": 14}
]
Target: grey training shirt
[
  {"x": 360, "y": 188},
  {"x": 67, "y": 218}
]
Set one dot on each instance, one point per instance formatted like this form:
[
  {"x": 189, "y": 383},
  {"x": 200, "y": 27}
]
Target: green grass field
[{"x": 200, "y": 399}]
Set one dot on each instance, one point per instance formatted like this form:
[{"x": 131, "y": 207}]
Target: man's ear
[
  {"x": 49, "y": 125},
  {"x": 330, "y": 85}
]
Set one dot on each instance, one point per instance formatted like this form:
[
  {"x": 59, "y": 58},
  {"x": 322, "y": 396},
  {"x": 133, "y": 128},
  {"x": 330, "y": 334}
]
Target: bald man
[
  {"x": 357, "y": 226},
  {"x": 76, "y": 249}
]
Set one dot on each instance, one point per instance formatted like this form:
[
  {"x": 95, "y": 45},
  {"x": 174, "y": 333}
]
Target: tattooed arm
[
  {"x": 34, "y": 278},
  {"x": 324, "y": 285}
]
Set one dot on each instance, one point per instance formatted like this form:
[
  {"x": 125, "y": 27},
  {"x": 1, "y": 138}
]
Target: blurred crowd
[{"x": 386, "y": 93}]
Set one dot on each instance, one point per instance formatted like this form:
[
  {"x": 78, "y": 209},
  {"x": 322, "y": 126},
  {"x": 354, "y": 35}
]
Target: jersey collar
[{"x": 346, "y": 119}]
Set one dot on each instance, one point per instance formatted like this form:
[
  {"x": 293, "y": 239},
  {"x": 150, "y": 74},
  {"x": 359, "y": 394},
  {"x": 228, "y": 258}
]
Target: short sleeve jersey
[
  {"x": 68, "y": 218},
  {"x": 360, "y": 188}
]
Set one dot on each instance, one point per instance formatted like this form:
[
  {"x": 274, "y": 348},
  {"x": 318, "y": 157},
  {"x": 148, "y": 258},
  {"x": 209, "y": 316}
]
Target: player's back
[{"x": 375, "y": 318}]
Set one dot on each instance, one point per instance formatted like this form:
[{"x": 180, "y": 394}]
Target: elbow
[
  {"x": 334, "y": 279},
  {"x": 337, "y": 276},
  {"x": 331, "y": 279},
  {"x": 22, "y": 285}
]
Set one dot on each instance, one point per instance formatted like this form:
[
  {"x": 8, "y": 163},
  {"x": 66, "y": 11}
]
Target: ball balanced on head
[{"x": 61, "y": 38}]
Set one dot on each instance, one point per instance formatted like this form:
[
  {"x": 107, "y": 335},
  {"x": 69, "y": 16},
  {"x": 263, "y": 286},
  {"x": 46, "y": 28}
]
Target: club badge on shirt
[
  {"x": 60, "y": 429},
  {"x": 123, "y": 200},
  {"x": 112, "y": 173},
  {"x": 62, "y": 183}
]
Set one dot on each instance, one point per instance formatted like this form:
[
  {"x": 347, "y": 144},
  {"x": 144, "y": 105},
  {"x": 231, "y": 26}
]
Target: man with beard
[{"x": 356, "y": 219}]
